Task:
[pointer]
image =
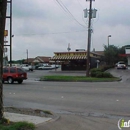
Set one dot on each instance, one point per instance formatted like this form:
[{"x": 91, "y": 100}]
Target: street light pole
[
  {"x": 27, "y": 56},
  {"x": 108, "y": 49},
  {"x": 108, "y": 39},
  {"x": 89, "y": 39}
]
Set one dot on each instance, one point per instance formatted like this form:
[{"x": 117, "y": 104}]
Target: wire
[
  {"x": 80, "y": 4},
  {"x": 61, "y": 5},
  {"x": 66, "y": 10}
]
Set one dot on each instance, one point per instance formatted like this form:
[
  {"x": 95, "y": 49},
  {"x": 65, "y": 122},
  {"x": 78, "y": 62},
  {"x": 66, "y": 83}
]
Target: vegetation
[
  {"x": 17, "y": 61},
  {"x": 47, "y": 112},
  {"x": 99, "y": 73},
  {"x": 112, "y": 54},
  {"x": 6, "y": 125},
  {"x": 78, "y": 78}
]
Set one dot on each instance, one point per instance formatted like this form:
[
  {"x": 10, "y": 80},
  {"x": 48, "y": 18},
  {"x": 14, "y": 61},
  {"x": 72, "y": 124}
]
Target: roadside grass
[
  {"x": 77, "y": 78},
  {"x": 17, "y": 126},
  {"x": 47, "y": 112}
]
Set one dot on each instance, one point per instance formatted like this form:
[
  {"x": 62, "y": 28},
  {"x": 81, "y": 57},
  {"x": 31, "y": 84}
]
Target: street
[{"x": 80, "y": 105}]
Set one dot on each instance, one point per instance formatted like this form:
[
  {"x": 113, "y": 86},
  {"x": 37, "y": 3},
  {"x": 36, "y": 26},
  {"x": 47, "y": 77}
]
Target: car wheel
[
  {"x": 20, "y": 81},
  {"x": 10, "y": 80}
]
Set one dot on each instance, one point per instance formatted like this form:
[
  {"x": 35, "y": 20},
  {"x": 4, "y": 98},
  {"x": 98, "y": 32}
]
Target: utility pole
[
  {"x": 27, "y": 56},
  {"x": 89, "y": 39},
  {"x": 3, "y": 6},
  {"x": 92, "y": 14},
  {"x": 108, "y": 40}
]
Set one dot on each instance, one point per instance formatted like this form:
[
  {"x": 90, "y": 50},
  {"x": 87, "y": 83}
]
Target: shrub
[
  {"x": 95, "y": 71},
  {"x": 99, "y": 74},
  {"x": 106, "y": 67},
  {"x": 107, "y": 75}
]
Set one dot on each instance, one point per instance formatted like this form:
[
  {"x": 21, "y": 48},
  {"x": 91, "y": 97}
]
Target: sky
[{"x": 46, "y": 26}]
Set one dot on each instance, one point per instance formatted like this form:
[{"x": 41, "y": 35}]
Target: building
[
  {"x": 127, "y": 51},
  {"x": 76, "y": 60},
  {"x": 29, "y": 61},
  {"x": 37, "y": 60}
]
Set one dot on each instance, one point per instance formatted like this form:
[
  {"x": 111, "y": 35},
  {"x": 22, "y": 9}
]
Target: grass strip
[
  {"x": 77, "y": 78},
  {"x": 17, "y": 126}
]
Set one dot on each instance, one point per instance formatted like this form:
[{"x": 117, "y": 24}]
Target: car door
[{"x": 5, "y": 73}]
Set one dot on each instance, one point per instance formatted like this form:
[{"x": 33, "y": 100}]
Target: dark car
[{"x": 11, "y": 74}]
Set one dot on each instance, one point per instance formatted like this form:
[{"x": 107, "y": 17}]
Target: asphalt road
[{"x": 80, "y": 105}]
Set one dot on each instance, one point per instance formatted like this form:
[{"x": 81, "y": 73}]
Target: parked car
[
  {"x": 46, "y": 67},
  {"x": 11, "y": 74},
  {"x": 27, "y": 67},
  {"x": 121, "y": 65}
]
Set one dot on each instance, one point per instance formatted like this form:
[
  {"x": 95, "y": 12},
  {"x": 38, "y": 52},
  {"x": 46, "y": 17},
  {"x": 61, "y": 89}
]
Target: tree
[
  {"x": 3, "y": 5},
  {"x": 111, "y": 53}
]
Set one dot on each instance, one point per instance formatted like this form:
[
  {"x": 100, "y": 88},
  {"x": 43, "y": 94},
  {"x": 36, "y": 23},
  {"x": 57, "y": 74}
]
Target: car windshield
[
  {"x": 121, "y": 63},
  {"x": 20, "y": 70}
]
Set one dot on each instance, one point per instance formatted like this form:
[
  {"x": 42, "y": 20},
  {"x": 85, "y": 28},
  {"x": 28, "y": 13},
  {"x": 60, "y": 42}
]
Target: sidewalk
[{"x": 38, "y": 121}]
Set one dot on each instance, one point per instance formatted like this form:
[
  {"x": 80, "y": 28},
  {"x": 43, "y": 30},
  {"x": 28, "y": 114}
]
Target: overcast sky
[{"x": 47, "y": 26}]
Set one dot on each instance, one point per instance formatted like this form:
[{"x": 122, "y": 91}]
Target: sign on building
[{"x": 6, "y": 33}]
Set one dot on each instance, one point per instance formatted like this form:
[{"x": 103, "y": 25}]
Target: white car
[
  {"x": 121, "y": 65},
  {"x": 27, "y": 67},
  {"x": 46, "y": 67}
]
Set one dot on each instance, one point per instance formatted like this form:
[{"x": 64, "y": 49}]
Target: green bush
[
  {"x": 99, "y": 74},
  {"x": 94, "y": 71},
  {"x": 106, "y": 67},
  {"x": 107, "y": 75}
]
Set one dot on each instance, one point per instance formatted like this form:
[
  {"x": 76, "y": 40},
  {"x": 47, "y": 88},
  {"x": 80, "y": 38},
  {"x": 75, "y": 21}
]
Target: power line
[
  {"x": 80, "y": 4},
  {"x": 66, "y": 10}
]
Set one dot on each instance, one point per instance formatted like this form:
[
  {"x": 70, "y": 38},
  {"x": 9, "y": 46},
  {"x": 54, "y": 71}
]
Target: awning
[
  {"x": 68, "y": 57},
  {"x": 124, "y": 55}
]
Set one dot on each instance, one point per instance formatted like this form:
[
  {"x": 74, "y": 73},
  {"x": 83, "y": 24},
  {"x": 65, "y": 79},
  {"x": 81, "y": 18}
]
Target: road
[{"x": 82, "y": 105}]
